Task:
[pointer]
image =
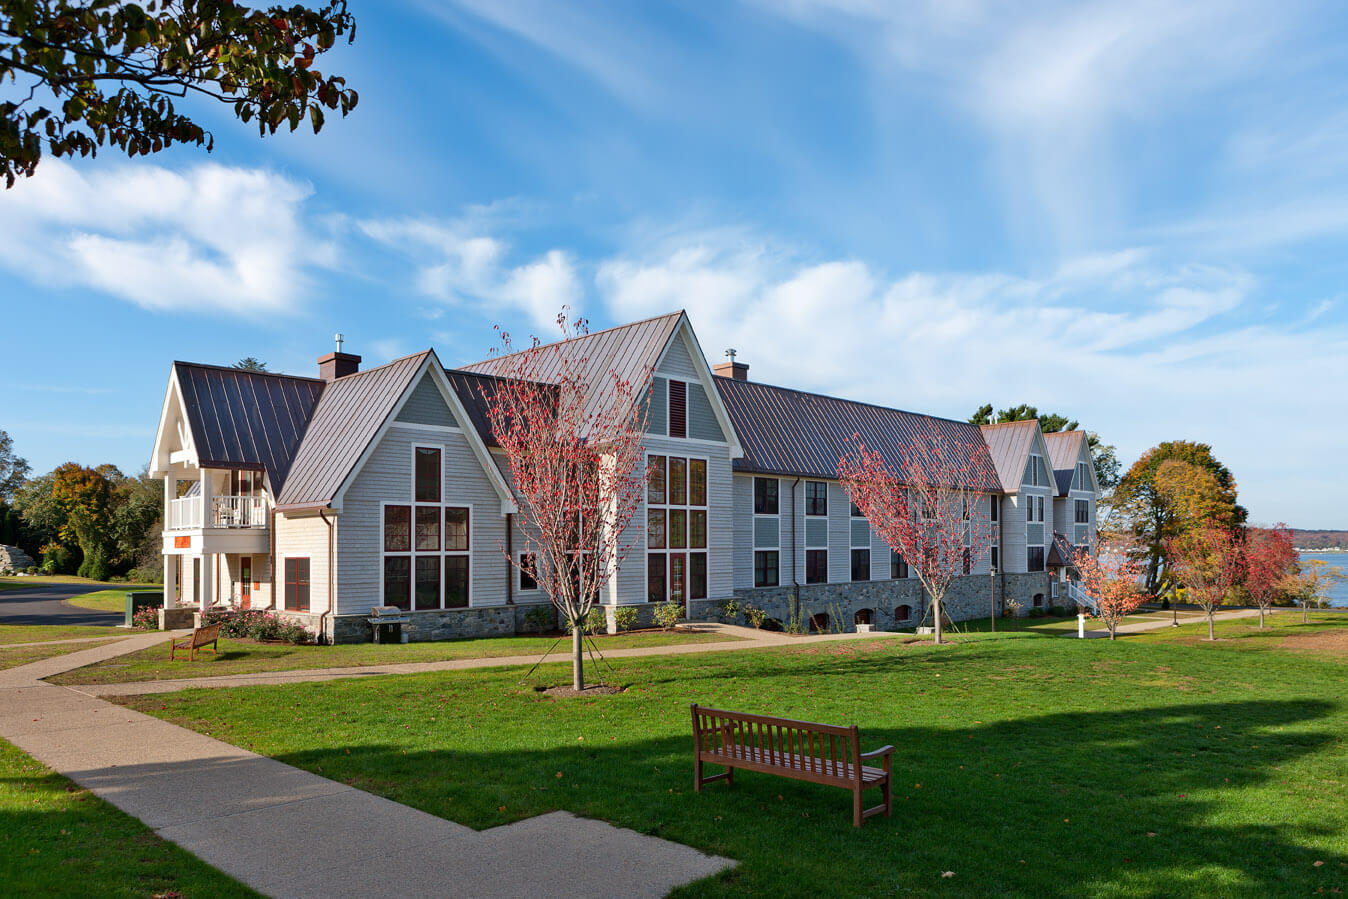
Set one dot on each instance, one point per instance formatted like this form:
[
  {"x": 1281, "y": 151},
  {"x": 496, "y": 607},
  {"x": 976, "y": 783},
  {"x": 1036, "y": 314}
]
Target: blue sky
[{"x": 1133, "y": 213}]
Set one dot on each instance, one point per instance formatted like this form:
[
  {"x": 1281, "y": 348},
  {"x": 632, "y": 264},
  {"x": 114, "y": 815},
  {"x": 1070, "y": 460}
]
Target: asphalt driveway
[{"x": 46, "y": 604}]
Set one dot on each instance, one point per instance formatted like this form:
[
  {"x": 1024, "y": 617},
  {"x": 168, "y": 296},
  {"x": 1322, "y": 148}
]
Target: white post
[
  {"x": 207, "y": 503},
  {"x": 1081, "y": 626},
  {"x": 207, "y": 597},
  {"x": 170, "y": 562}
]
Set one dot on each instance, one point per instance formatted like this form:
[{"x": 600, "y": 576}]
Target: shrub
[
  {"x": 95, "y": 566},
  {"x": 255, "y": 624},
  {"x": 596, "y": 620},
  {"x": 56, "y": 559},
  {"x": 625, "y": 617},
  {"x": 730, "y": 610},
  {"x": 1036, "y": 613},
  {"x": 539, "y": 618},
  {"x": 668, "y": 614},
  {"x": 756, "y": 617},
  {"x": 1011, "y": 607},
  {"x": 146, "y": 618}
]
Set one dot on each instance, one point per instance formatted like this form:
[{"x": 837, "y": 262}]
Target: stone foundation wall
[
  {"x": 882, "y": 602},
  {"x": 443, "y": 624}
]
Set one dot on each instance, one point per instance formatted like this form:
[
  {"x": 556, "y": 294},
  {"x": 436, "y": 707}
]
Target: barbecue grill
[{"x": 387, "y": 623}]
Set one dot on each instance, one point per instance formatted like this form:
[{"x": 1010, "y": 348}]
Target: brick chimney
[
  {"x": 732, "y": 369},
  {"x": 337, "y": 365}
]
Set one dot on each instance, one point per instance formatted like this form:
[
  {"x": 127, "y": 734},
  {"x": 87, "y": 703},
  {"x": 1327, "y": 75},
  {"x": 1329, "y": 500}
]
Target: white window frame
[
  {"x": 806, "y": 546},
  {"x": 753, "y": 537}
]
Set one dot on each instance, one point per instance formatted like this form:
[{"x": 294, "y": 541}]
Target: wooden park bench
[
  {"x": 200, "y": 639},
  {"x": 818, "y": 753}
]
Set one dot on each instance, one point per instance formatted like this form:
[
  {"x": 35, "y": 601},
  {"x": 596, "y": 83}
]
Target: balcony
[{"x": 187, "y": 513}]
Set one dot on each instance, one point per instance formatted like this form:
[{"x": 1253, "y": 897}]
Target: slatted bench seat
[
  {"x": 818, "y": 753},
  {"x": 200, "y": 639}
]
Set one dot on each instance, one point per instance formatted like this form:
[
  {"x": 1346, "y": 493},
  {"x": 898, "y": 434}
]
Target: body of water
[{"x": 1338, "y": 590}]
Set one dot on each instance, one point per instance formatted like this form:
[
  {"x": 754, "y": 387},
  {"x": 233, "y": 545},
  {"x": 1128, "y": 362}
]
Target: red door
[{"x": 246, "y": 582}]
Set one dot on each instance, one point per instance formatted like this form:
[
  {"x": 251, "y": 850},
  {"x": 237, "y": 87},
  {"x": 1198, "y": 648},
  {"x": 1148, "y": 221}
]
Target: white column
[
  {"x": 207, "y": 597},
  {"x": 170, "y": 581},
  {"x": 1081, "y": 626},
  {"x": 207, "y": 513}
]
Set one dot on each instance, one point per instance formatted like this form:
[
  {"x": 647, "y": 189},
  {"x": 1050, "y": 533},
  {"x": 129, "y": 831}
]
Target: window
[
  {"x": 297, "y": 585},
  {"x": 995, "y": 554},
  {"x": 765, "y": 496},
  {"x": 1083, "y": 511},
  {"x": 676, "y": 528},
  {"x": 766, "y": 568},
  {"x": 426, "y": 553},
  {"x": 245, "y": 483},
  {"x": 861, "y": 564},
  {"x": 528, "y": 571},
  {"x": 678, "y": 409},
  {"x": 816, "y": 498},
  {"x": 1034, "y": 558},
  {"x": 427, "y": 474},
  {"x": 966, "y": 561},
  {"x": 994, "y": 507},
  {"x": 903, "y": 613},
  {"x": 1034, "y": 508},
  {"x": 898, "y": 566},
  {"x": 816, "y": 566},
  {"x": 855, "y": 510}
]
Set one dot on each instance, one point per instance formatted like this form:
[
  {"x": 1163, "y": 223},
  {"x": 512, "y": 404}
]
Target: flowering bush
[
  {"x": 146, "y": 618},
  {"x": 625, "y": 617},
  {"x": 255, "y": 624}
]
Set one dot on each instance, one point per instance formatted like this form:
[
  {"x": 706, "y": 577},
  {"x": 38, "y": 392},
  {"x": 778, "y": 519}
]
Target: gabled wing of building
[
  {"x": 245, "y": 419},
  {"x": 1065, "y": 450},
  {"x": 799, "y": 434},
  {"x": 1009, "y": 444}
]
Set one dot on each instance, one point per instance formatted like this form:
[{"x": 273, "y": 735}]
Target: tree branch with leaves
[
  {"x": 1112, "y": 577},
  {"x": 108, "y": 73},
  {"x": 1210, "y": 562}
]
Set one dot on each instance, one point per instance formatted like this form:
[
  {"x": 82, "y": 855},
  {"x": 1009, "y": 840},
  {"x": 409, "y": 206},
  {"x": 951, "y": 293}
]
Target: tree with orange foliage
[{"x": 1112, "y": 577}]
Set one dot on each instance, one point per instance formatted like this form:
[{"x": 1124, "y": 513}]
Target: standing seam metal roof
[
  {"x": 246, "y": 419},
  {"x": 1009, "y": 443},
  {"x": 795, "y": 433},
  {"x": 346, "y": 419},
  {"x": 1064, "y": 448}
]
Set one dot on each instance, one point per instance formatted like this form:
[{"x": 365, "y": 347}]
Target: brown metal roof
[
  {"x": 1009, "y": 443},
  {"x": 628, "y": 352},
  {"x": 1064, "y": 449},
  {"x": 246, "y": 419},
  {"x": 795, "y": 433},
  {"x": 345, "y": 421},
  {"x": 1060, "y": 552},
  {"x": 475, "y": 391}
]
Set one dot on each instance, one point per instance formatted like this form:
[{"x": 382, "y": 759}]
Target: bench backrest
[
  {"x": 203, "y": 635},
  {"x": 828, "y": 753}
]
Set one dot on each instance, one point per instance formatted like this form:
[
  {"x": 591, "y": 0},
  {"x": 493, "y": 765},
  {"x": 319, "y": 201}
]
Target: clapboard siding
[
  {"x": 702, "y": 423},
  {"x": 746, "y": 527},
  {"x": 427, "y": 406},
  {"x": 658, "y": 407},
  {"x": 839, "y": 534},
  {"x": 302, "y": 536},
  {"x": 678, "y": 362},
  {"x": 387, "y": 477}
]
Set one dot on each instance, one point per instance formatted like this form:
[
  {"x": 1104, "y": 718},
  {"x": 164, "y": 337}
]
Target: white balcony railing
[{"x": 226, "y": 512}]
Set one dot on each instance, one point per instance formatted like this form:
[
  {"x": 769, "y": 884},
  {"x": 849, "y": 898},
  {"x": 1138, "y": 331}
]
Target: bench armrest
[{"x": 883, "y": 750}]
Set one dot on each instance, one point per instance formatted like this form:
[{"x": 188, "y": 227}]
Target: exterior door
[
  {"x": 678, "y": 579},
  {"x": 246, "y": 582},
  {"x": 196, "y": 582}
]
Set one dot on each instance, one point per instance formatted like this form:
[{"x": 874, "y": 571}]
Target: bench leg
[
  {"x": 697, "y": 774},
  {"x": 888, "y": 791},
  {"x": 858, "y": 813},
  {"x": 730, "y": 776}
]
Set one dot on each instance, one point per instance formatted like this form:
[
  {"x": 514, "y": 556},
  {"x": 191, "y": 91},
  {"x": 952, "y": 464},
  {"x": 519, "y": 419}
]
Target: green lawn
[
  {"x": 247, "y": 657},
  {"x": 59, "y": 840},
  {"x": 13, "y": 656},
  {"x": 113, "y": 600},
  {"x": 33, "y": 633},
  {"x": 1147, "y": 767}
]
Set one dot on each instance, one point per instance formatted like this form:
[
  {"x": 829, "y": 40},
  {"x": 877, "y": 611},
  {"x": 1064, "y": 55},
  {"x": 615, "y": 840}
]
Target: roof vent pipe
[
  {"x": 338, "y": 364},
  {"x": 732, "y": 369}
]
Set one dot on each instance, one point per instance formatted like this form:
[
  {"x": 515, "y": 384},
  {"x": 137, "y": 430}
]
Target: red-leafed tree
[
  {"x": 1113, "y": 578},
  {"x": 927, "y": 502},
  {"x": 572, "y": 439},
  {"x": 1209, "y": 561},
  {"x": 1269, "y": 558}
]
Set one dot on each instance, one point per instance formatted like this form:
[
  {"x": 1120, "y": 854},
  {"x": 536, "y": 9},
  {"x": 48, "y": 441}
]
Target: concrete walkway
[
  {"x": 289, "y": 833},
  {"x": 1185, "y": 617}
]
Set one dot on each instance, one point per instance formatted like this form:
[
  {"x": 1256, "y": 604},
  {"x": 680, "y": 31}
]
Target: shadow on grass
[{"x": 1181, "y": 800}]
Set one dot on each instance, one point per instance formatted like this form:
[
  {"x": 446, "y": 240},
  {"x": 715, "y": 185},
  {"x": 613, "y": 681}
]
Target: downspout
[
  {"x": 322, "y": 619},
  {"x": 795, "y": 567},
  {"x": 510, "y": 559}
]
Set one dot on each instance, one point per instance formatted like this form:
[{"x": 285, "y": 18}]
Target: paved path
[
  {"x": 289, "y": 833},
  {"x": 749, "y": 639},
  {"x": 46, "y": 604},
  {"x": 1186, "y": 616}
]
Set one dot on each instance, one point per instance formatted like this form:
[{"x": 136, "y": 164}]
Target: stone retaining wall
[
  {"x": 885, "y": 605},
  {"x": 442, "y": 624}
]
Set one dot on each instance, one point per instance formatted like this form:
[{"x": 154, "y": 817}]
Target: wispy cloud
[{"x": 211, "y": 237}]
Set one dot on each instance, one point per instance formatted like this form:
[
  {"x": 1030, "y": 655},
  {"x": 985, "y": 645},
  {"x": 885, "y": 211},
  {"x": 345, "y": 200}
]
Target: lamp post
[{"x": 992, "y": 596}]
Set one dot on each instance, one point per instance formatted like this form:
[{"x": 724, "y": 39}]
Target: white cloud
[
  {"x": 456, "y": 265},
  {"x": 209, "y": 237},
  {"x": 1140, "y": 350}
]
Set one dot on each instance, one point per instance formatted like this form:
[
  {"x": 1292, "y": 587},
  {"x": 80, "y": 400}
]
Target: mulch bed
[{"x": 569, "y": 692}]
